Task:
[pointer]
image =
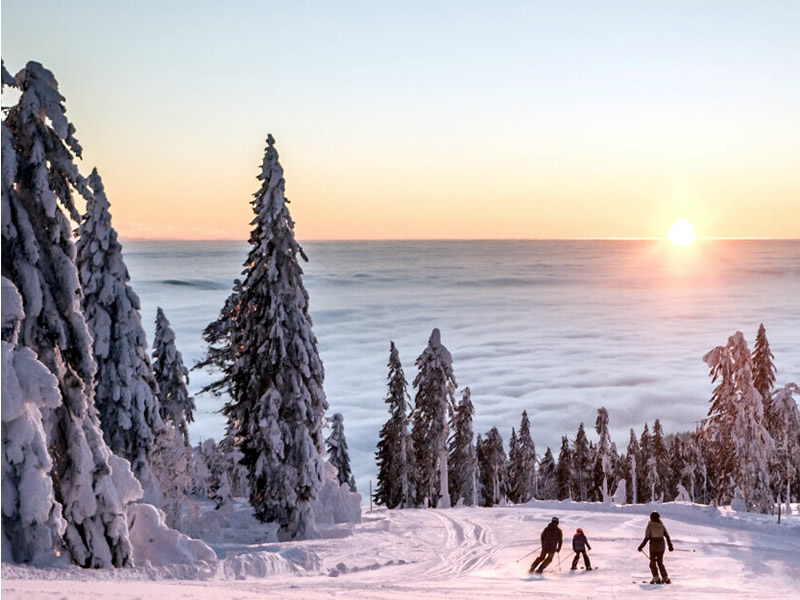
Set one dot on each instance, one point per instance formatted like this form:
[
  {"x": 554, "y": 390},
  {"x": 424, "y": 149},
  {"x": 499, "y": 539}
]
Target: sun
[{"x": 682, "y": 233}]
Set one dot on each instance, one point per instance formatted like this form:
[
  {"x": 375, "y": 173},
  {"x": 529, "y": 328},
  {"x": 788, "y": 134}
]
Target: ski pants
[
  {"x": 657, "y": 564},
  {"x": 586, "y": 562},
  {"x": 544, "y": 559}
]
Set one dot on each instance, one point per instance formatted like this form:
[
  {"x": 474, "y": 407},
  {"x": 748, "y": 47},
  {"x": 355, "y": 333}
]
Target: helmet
[
  {"x": 554, "y": 521},
  {"x": 579, "y": 530},
  {"x": 654, "y": 516}
]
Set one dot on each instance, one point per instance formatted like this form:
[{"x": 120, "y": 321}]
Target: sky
[{"x": 403, "y": 120}]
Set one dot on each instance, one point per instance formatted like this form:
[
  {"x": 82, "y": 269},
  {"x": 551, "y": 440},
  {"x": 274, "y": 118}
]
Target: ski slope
[{"x": 461, "y": 553}]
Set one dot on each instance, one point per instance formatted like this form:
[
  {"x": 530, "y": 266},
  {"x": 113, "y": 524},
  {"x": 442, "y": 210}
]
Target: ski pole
[
  {"x": 559, "y": 559},
  {"x": 682, "y": 550},
  {"x": 528, "y": 554},
  {"x": 645, "y": 553}
]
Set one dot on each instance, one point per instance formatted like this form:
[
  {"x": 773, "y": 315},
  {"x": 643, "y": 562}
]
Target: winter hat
[
  {"x": 554, "y": 521},
  {"x": 579, "y": 530},
  {"x": 654, "y": 516}
]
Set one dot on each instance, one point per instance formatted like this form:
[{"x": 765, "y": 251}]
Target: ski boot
[
  {"x": 588, "y": 568},
  {"x": 667, "y": 580},
  {"x": 573, "y": 568},
  {"x": 655, "y": 581}
]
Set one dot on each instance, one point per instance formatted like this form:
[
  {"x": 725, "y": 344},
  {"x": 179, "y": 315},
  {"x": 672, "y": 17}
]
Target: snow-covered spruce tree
[
  {"x": 784, "y": 426},
  {"x": 763, "y": 370},
  {"x": 565, "y": 471},
  {"x": 675, "y": 471},
  {"x": 525, "y": 484},
  {"x": 480, "y": 456},
  {"x": 741, "y": 444},
  {"x": 92, "y": 485},
  {"x": 661, "y": 455},
  {"x": 176, "y": 405},
  {"x": 171, "y": 460},
  {"x": 653, "y": 478},
  {"x": 218, "y": 485},
  {"x": 603, "y": 450},
  {"x": 463, "y": 468},
  {"x": 582, "y": 465},
  {"x": 493, "y": 468},
  {"x": 267, "y": 352},
  {"x": 433, "y": 407},
  {"x": 512, "y": 468},
  {"x": 32, "y": 522},
  {"x": 125, "y": 387},
  {"x": 699, "y": 464},
  {"x": 393, "y": 457},
  {"x": 643, "y": 491},
  {"x": 338, "y": 455},
  {"x": 631, "y": 461},
  {"x": 548, "y": 477}
]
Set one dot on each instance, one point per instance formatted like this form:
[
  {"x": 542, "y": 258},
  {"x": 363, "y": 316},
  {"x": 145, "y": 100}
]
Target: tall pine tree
[
  {"x": 548, "y": 477},
  {"x": 525, "y": 481},
  {"x": 661, "y": 456},
  {"x": 741, "y": 444},
  {"x": 338, "y": 453},
  {"x": 643, "y": 490},
  {"x": 434, "y": 404},
  {"x": 631, "y": 468},
  {"x": 763, "y": 369},
  {"x": 604, "y": 456},
  {"x": 176, "y": 405},
  {"x": 493, "y": 468},
  {"x": 565, "y": 471},
  {"x": 463, "y": 468},
  {"x": 125, "y": 387},
  {"x": 265, "y": 348},
  {"x": 582, "y": 465},
  {"x": 395, "y": 454}
]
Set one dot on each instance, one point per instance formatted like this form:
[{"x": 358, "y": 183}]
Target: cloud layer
[{"x": 555, "y": 328}]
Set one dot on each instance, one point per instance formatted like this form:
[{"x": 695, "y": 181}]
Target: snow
[
  {"x": 157, "y": 544},
  {"x": 466, "y": 553}
]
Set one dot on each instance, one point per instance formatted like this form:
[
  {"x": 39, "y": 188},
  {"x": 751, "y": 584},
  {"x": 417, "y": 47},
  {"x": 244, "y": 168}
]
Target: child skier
[
  {"x": 656, "y": 533},
  {"x": 580, "y": 545}
]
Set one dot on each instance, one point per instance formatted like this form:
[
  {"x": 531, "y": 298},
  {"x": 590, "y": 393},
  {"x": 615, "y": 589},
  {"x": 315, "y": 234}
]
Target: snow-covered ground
[{"x": 459, "y": 553}]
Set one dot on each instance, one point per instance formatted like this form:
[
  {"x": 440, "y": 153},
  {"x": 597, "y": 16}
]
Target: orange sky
[{"x": 406, "y": 122}]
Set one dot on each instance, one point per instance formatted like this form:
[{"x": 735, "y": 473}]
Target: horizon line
[{"x": 532, "y": 239}]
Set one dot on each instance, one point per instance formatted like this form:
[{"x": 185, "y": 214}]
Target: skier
[
  {"x": 580, "y": 545},
  {"x": 656, "y": 533},
  {"x": 552, "y": 538}
]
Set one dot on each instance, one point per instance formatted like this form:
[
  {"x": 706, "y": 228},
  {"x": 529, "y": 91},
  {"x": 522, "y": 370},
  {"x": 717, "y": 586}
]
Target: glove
[
  {"x": 670, "y": 548},
  {"x": 640, "y": 547}
]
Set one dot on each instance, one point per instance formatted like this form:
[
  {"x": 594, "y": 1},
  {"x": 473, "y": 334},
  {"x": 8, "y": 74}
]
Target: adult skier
[
  {"x": 656, "y": 533},
  {"x": 552, "y": 538},
  {"x": 580, "y": 545}
]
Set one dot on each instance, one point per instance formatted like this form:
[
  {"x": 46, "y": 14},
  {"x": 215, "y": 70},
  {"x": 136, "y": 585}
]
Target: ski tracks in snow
[{"x": 469, "y": 545}]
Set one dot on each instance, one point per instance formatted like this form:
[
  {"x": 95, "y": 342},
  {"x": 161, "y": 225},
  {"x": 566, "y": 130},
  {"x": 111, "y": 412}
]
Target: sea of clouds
[{"x": 557, "y": 328}]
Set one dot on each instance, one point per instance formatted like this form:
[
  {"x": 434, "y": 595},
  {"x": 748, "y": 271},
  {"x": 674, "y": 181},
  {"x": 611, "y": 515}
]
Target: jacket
[
  {"x": 552, "y": 538},
  {"x": 580, "y": 543},
  {"x": 655, "y": 534}
]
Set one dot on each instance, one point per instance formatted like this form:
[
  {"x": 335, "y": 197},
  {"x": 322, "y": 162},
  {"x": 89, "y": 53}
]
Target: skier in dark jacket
[
  {"x": 552, "y": 538},
  {"x": 656, "y": 533},
  {"x": 580, "y": 545}
]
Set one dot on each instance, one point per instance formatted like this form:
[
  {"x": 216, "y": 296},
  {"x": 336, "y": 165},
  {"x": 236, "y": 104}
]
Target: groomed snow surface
[{"x": 458, "y": 553}]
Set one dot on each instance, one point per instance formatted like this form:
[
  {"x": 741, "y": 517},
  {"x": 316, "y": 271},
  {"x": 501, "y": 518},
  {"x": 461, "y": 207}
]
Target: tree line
[{"x": 746, "y": 452}]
